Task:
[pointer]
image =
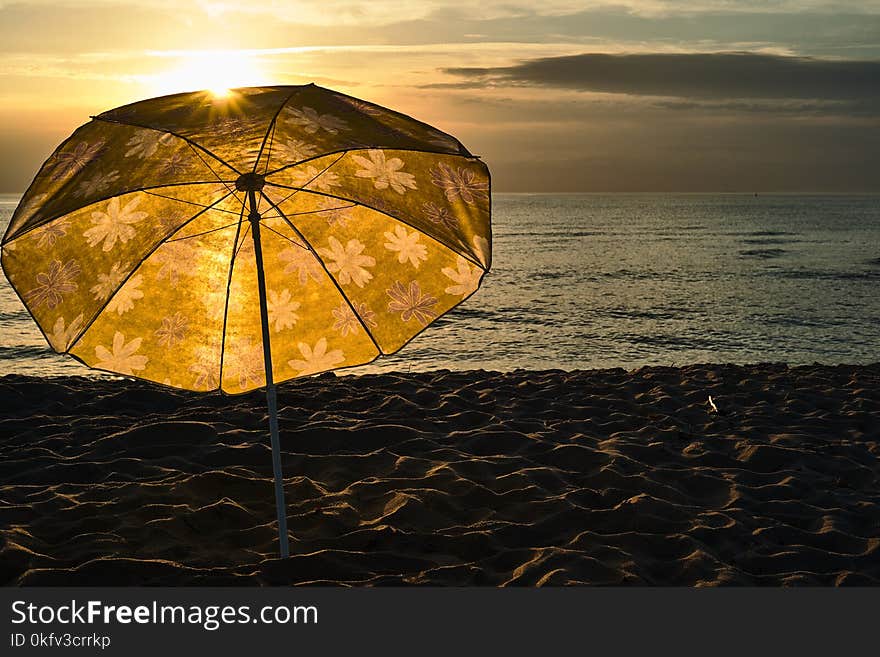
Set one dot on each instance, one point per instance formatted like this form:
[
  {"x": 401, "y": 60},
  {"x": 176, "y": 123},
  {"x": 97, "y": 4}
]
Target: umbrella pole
[{"x": 281, "y": 508}]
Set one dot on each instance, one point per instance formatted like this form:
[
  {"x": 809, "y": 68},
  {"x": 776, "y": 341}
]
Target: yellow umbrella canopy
[
  {"x": 133, "y": 250},
  {"x": 231, "y": 242}
]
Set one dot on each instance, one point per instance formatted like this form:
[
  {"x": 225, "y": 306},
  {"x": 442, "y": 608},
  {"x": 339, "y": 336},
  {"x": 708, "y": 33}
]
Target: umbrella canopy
[
  {"x": 231, "y": 242},
  {"x": 133, "y": 253}
]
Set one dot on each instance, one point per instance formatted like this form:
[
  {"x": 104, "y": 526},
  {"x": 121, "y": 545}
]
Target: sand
[{"x": 450, "y": 478}]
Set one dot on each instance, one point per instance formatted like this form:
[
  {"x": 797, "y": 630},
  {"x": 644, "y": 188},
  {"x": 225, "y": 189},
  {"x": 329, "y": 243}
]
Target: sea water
[{"x": 625, "y": 280}]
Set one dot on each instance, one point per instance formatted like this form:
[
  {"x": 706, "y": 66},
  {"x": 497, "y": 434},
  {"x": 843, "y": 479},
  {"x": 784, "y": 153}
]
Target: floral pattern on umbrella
[{"x": 133, "y": 251}]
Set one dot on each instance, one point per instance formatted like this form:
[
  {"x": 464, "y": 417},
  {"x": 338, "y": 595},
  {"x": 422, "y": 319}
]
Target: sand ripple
[{"x": 450, "y": 478}]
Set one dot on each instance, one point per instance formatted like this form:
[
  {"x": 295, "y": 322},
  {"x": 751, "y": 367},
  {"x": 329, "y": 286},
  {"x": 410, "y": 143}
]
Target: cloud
[
  {"x": 804, "y": 26},
  {"x": 728, "y": 75}
]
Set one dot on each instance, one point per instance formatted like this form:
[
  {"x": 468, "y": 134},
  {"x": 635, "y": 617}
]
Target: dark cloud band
[{"x": 732, "y": 75}]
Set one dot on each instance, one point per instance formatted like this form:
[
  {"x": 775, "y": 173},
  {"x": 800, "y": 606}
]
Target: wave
[
  {"x": 25, "y": 351},
  {"x": 763, "y": 253},
  {"x": 769, "y": 240}
]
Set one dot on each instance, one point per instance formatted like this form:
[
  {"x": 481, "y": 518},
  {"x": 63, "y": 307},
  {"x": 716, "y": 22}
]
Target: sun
[{"x": 218, "y": 71}]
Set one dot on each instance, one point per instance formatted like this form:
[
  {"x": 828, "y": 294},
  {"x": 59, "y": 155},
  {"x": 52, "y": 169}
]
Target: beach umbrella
[{"x": 230, "y": 242}]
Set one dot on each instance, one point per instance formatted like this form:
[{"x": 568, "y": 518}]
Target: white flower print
[
  {"x": 244, "y": 361},
  {"x": 334, "y": 211},
  {"x": 145, "y": 143},
  {"x": 124, "y": 299},
  {"x": 213, "y": 295},
  {"x": 173, "y": 330},
  {"x": 204, "y": 376},
  {"x": 311, "y": 121},
  {"x": 175, "y": 258},
  {"x": 460, "y": 183},
  {"x": 282, "y": 309},
  {"x": 122, "y": 356},
  {"x": 97, "y": 183},
  {"x": 347, "y": 322},
  {"x": 364, "y": 107},
  {"x": 312, "y": 178},
  {"x": 49, "y": 234},
  {"x": 384, "y": 172},
  {"x": 206, "y": 367},
  {"x": 167, "y": 224},
  {"x": 466, "y": 278},
  {"x": 62, "y": 334},
  {"x": 59, "y": 279},
  {"x": 295, "y": 150},
  {"x": 348, "y": 262},
  {"x": 108, "y": 283},
  {"x": 407, "y": 246},
  {"x": 233, "y": 126},
  {"x": 302, "y": 262},
  {"x": 114, "y": 223},
  {"x": 316, "y": 359}
]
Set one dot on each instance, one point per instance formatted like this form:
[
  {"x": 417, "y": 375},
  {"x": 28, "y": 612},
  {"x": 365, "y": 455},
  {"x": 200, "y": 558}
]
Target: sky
[{"x": 629, "y": 96}]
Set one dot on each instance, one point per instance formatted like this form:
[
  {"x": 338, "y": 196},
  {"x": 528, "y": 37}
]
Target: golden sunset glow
[
  {"x": 492, "y": 294},
  {"x": 561, "y": 97},
  {"x": 217, "y": 71}
]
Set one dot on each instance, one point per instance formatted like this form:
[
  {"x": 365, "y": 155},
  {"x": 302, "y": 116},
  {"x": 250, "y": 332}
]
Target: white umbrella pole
[{"x": 281, "y": 508}]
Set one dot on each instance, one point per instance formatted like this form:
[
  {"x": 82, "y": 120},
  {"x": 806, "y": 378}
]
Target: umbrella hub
[{"x": 250, "y": 182}]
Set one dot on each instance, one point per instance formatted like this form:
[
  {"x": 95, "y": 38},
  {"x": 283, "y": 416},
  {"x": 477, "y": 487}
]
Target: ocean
[{"x": 585, "y": 281}]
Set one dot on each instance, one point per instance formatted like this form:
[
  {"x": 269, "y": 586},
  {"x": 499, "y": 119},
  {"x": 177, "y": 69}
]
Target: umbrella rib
[
  {"x": 467, "y": 257},
  {"x": 243, "y": 240},
  {"x": 37, "y": 175},
  {"x": 327, "y": 271},
  {"x": 271, "y": 130},
  {"x": 305, "y": 212},
  {"x": 283, "y": 236},
  {"x": 309, "y": 182},
  {"x": 130, "y": 274},
  {"x": 368, "y": 148},
  {"x": 235, "y": 248},
  {"x": 268, "y": 152},
  {"x": 205, "y": 232},
  {"x": 111, "y": 196},
  {"x": 231, "y": 190},
  {"x": 463, "y": 151},
  {"x": 169, "y": 132},
  {"x": 198, "y": 205}
]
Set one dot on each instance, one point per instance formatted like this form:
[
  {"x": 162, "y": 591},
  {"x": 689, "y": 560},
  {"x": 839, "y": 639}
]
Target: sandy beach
[{"x": 601, "y": 477}]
